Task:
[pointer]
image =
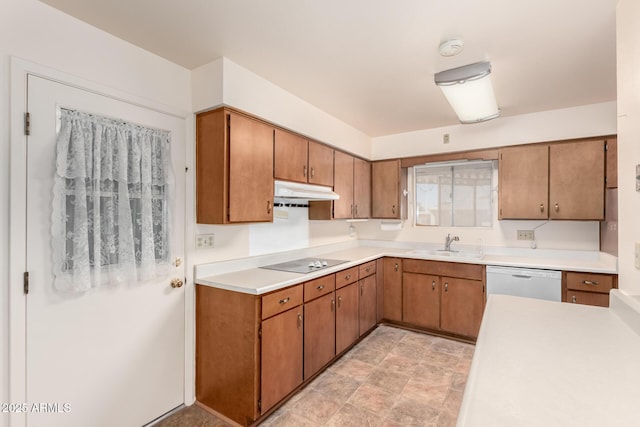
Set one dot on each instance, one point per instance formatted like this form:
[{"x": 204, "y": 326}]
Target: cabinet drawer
[
  {"x": 346, "y": 277},
  {"x": 590, "y": 282},
  {"x": 367, "y": 269},
  {"x": 444, "y": 268},
  {"x": 588, "y": 298},
  {"x": 318, "y": 287},
  {"x": 280, "y": 301}
]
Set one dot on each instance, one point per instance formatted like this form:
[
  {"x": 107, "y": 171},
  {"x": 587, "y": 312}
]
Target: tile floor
[{"x": 392, "y": 378}]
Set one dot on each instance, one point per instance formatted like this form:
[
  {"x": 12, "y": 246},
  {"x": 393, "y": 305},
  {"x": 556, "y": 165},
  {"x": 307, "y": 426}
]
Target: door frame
[{"x": 19, "y": 70}]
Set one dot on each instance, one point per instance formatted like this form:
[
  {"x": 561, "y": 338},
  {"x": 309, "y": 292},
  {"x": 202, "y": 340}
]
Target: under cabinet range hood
[{"x": 296, "y": 190}]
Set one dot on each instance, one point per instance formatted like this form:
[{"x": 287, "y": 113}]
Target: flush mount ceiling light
[
  {"x": 470, "y": 92},
  {"x": 451, "y": 47}
]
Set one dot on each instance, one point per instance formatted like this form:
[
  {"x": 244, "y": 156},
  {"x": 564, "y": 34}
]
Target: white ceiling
[{"x": 370, "y": 63}]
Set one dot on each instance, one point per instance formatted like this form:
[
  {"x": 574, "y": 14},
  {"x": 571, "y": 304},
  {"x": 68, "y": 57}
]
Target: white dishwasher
[{"x": 524, "y": 282}]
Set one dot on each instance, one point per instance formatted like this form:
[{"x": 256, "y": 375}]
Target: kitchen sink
[{"x": 447, "y": 254}]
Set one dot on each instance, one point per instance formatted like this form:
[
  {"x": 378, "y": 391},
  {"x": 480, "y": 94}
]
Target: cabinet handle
[
  {"x": 352, "y": 210},
  {"x": 556, "y": 207},
  {"x": 339, "y": 301},
  {"x": 333, "y": 305},
  {"x": 320, "y": 287},
  {"x": 368, "y": 269},
  {"x": 268, "y": 206},
  {"x": 590, "y": 282},
  {"x": 396, "y": 266},
  {"x": 433, "y": 285},
  {"x": 304, "y": 171},
  {"x": 541, "y": 207},
  {"x": 446, "y": 287},
  {"x": 313, "y": 172},
  {"x": 361, "y": 290},
  {"x": 299, "y": 320},
  {"x": 347, "y": 277},
  {"x": 574, "y": 299},
  {"x": 393, "y": 209},
  {"x": 356, "y": 210},
  {"x": 284, "y": 300}
]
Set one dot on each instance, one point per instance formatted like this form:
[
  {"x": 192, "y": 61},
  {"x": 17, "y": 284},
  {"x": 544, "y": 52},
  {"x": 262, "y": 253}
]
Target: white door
[{"x": 113, "y": 356}]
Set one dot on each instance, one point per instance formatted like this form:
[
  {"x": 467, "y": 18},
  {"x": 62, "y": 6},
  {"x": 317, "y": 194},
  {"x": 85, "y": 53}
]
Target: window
[{"x": 454, "y": 194}]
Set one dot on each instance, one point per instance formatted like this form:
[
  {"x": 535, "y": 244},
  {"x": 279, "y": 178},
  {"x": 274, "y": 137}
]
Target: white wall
[
  {"x": 568, "y": 123},
  {"x": 40, "y": 34},
  {"x": 628, "y": 66}
]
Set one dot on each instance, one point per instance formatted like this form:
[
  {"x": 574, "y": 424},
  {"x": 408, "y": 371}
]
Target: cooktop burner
[{"x": 304, "y": 265}]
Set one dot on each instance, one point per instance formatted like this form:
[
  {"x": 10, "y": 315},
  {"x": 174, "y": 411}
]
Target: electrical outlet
[
  {"x": 445, "y": 138},
  {"x": 526, "y": 235},
  {"x": 204, "y": 241}
]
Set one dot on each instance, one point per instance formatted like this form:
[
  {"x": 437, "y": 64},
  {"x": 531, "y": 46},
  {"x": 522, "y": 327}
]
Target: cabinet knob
[
  {"x": 299, "y": 320},
  {"x": 320, "y": 287},
  {"x": 433, "y": 285},
  {"x": 574, "y": 299},
  {"x": 396, "y": 266},
  {"x": 556, "y": 207},
  {"x": 356, "y": 210},
  {"x": 541, "y": 207},
  {"x": 304, "y": 171},
  {"x": 339, "y": 301},
  {"x": 393, "y": 209},
  {"x": 313, "y": 172},
  {"x": 284, "y": 300},
  {"x": 333, "y": 305},
  {"x": 347, "y": 277},
  {"x": 268, "y": 206},
  {"x": 446, "y": 287}
]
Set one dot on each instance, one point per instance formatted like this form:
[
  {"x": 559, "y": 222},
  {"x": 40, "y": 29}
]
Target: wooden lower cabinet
[
  {"x": 319, "y": 333},
  {"x": 447, "y": 297},
  {"x": 347, "y": 316},
  {"x": 281, "y": 341},
  {"x": 367, "y": 309},
  {"x": 392, "y": 289},
  {"x": 421, "y": 300},
  {"x": 461, "y": 306},
  {"x": 588, "y": 288}
]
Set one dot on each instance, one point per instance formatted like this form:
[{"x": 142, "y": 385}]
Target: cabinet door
[
  {"x": 576, "y": 180},
  {"x": 291, "y": 156},
  {"x": 462, "y": 305},
  {"x": 319, "y": 333},
  {"x": 392, "y": 289},
  {"x": 421, "y": 300},
  {"x": 343, "y": 185},
  {"x": 361, "y": 188},
  {"x": 250, "y": 170},
  {"x": 347, "y": 316},
  {"x": 385, "y": 189},
  {"x": 320, "y": 164},
  {"x": 367, "y": 303},
  {"x": 523, "y": 182},
  {"x": 281, "y": 356},
  {"x": 612, "y": 162}
]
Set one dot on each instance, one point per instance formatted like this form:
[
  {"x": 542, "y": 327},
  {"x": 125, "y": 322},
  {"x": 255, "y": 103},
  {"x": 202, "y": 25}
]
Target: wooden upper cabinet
[
  {"x": 320, "y": 164},
  {"x": 291, "y": 156},
  {"x": 387, "y": 181},
  {"x": 556, "y": 181},
  {"x": 612, "y": 162},
  {"x": 300, "y": 160},
  {"x": 234, "y": 168},
  {"x": 523, "y": 182},
  {"x": 361, "y": 188},
  {"x": 576, "y": 180},
  {"x": 343, "y": 185}
]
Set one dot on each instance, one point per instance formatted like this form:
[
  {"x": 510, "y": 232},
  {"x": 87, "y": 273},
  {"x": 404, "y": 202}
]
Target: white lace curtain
[{"x": 111, "y": 202}]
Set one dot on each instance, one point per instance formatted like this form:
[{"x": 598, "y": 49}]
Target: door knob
[{"x": 176, "y": 283}]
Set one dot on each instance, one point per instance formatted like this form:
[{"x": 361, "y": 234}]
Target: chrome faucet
[{"x": 448, "y": 241}]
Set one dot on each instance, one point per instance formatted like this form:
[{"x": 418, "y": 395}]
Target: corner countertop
[
  {"x": 244, "y": 275},
  {"x": 543, "y": 363}
]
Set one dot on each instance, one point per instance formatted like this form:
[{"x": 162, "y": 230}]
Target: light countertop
[
  {"x": 543, "y": 363},
  {"x": 244, "y": 275}
]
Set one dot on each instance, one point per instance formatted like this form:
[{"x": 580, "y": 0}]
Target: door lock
[{"x": 176, "y": 283}]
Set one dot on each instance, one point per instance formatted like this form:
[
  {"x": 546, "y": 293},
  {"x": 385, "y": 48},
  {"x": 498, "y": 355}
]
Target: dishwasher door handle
[{"x": 521, "y": 276}]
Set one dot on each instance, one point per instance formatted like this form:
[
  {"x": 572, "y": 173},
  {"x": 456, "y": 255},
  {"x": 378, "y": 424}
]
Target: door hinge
[
  {"x": 25, "y": 282},
  {"x": 27, "y": 123}
]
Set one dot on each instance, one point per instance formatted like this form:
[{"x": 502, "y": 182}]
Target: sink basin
[{"x": 447, "y": 254}]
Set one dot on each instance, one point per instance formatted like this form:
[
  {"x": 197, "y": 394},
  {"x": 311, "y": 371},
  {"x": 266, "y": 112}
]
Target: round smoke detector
[{"x": 451, "y": 47}]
